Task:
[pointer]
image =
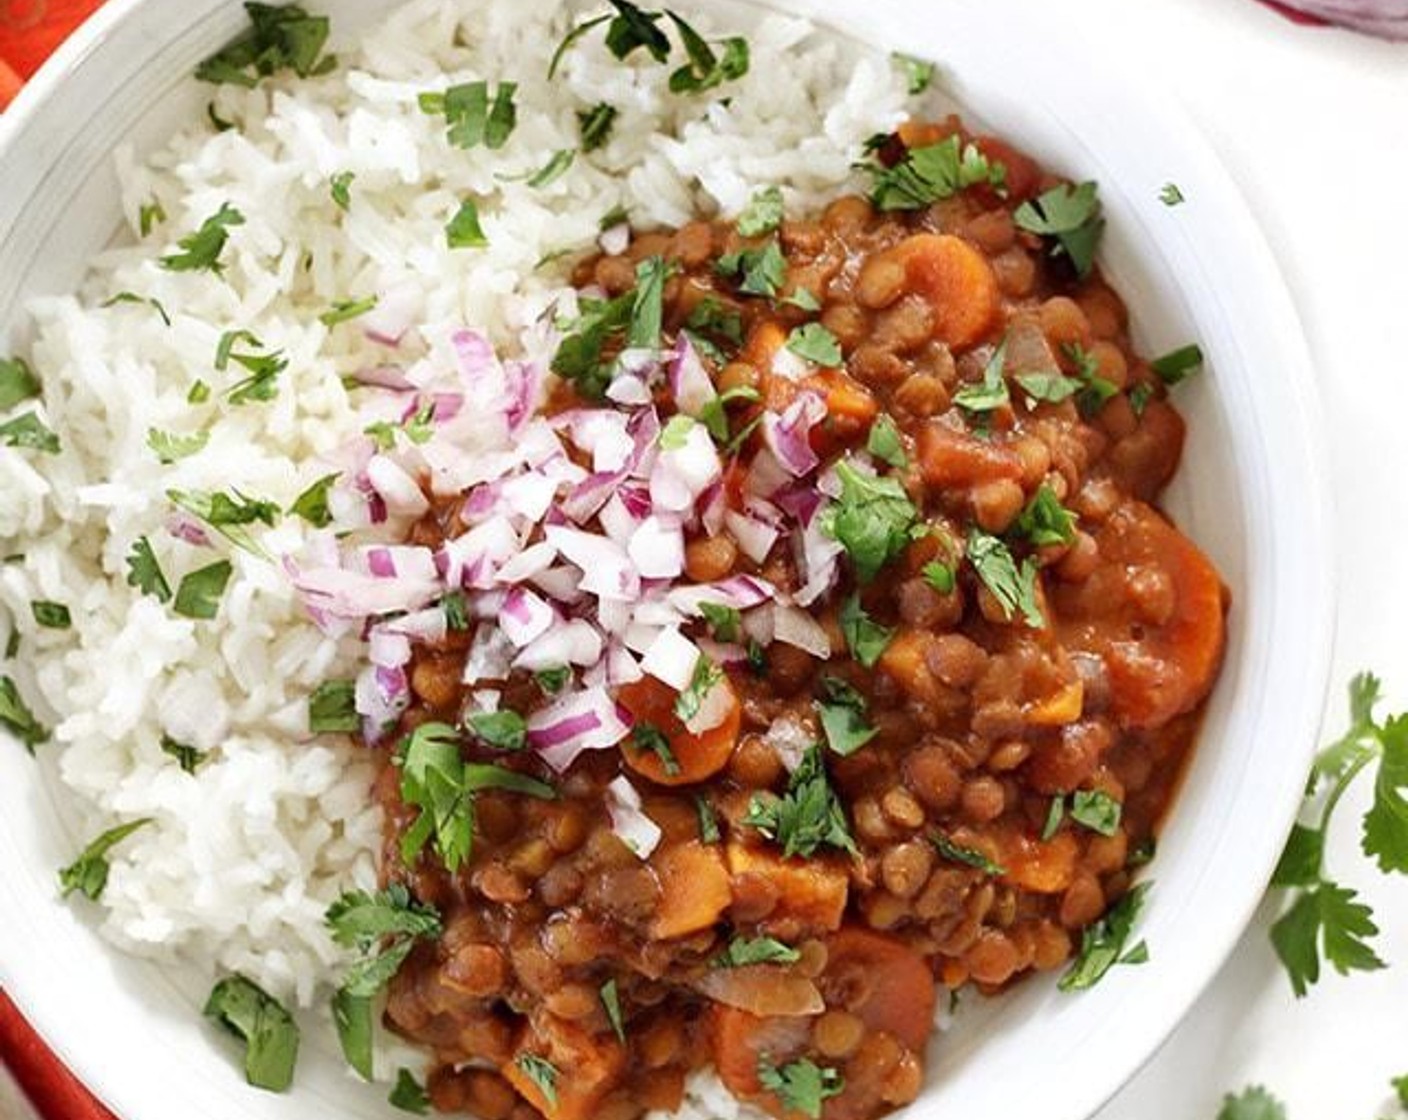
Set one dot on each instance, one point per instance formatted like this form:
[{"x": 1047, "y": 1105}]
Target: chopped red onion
[
  {"x": 791, "y": 739},
  {"x": 754, "y": 537},
  {"x": 714, "y": 708},
  {"x": 657, "y": 548},
  {"x": 1387, "y": 19},
  {"x": 386, "y": 649},
  {"x": 615, "y": 240},
  {"x": 671, "y": 658},
  {"x": 788, "y": 436},
  {"x": 795, "y": 627},
  {"x": 379, "y": 697},
  {"x": 580, "y": 721},
  {"x": 534, "y": 559},
  {"x": 689, "y": 380},
  {"x": 637, "y": 831},
  {"x": 740, "y": 592},
  {"x": 524, "y": 616},
  {"x": 682, "y": 473},
  {"x": 560, "y": 584},
  {"x": 401, "y": 492},
  {"x": 789, "y": 365},
  {"x": 490, "y": 656},
  {"x": 427, "y": 625},
  {"x": 186, "y": 529},
  {"x": 383, "y": 376},
  {"x": 607, "y": 571},
  {"x": 575, "y": 642},
  {"x": 398, "y": 306}
]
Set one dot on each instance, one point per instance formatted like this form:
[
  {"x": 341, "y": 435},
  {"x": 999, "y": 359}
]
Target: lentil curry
[{"x": 945, "y": 780}]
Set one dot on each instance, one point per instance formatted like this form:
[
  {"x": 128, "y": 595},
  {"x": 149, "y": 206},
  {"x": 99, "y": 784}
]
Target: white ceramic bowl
[{"x": 1251, "y": 491}]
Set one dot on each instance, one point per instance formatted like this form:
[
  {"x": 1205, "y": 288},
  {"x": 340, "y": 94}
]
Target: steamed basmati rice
[{"x": 245, "y": 854}]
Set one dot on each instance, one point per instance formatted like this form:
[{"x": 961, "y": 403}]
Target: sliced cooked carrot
[
  {"x": 847, "y": 400},
  {"x": 957, "y": 281},
  {"x": 881, "y": 980},
  {"x": 906, "y": 661},
  {"x": 949, "y": 457},
  {"x": 810, "y": 893},
  {"x": 1041, "y": 866},
  {"x": 739, "y": 1040},
  {"x": 1060, "y": 708},
  {"x": 1157, "y": 669},
  {"x": 694, "y": 889},
  {"x": 588, "y": 1067},
  {"x": 696, "y": 757}
]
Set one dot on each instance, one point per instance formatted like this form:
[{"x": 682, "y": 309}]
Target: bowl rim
[{"x": 51, "y": 1019}]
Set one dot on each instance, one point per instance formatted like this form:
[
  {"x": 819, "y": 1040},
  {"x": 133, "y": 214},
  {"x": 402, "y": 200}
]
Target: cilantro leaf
[
  {"x": 344, "y": 310},
  {"x": 843, "y": 717},
  {"x": 691, "y": 700},
  {"x": 726, "y": 622},
  {"x": 595, "y": 125},
  {"x": 808, "y": 816},
  {"x": 312, "y": 504},
  {"x": 648, "y": 303},
  {"x": 27, "y": 430},
  {"x": 991, "y": 393},
  {"x": 503, "y": 730},
  {"x": 539, "y": 1070},
  {"x": 198, "y": 594},
  {"x": 463, "y": 231},
  {"x": 865, "y": 638},
  {"x": 632, "y": 28},
  {"x": 17, "y": 382},
  {"x": 1171, "y": 195},
  {"x": 50, "y": 615},
  {"x": 228, "y": 514},
  {"x": 939, "y": 576},
  {"x": 816, "y": 344},
  {"x": 760, "y": 272},
  {"x": 886, "y": 443},
  {"x": 581, "y": 356},
  {"x": 149, "y": 215},
  {"x": 17, "y": 719},
  {"x": 1055, "y": 814},
  {"x": 333, "y": 708},
  {"x": 270, "y": 1035},
  {"x": 200, "y": 251},
  {"x": 340, "y": 187},
  {"x": 763, "y": 214},
  {"x": 705, "y": 70},
  {"x": 802, "y": 1085},
  {"x": 358, "y": 920},
  {"x": 1254, "y": 1103},
  {"x": 472, "y": 118},
  {"x": 88, "y": 874},
  {"x": 1070, "y": 217},
  {"x": 1178, "y": 365},
  {"x": 408, "y": 1094},
  {"x": 1386, "y": 823},
  {"x": 1097, "y": 810},
  {"x": 1014, "y": 588},
  {"x": 171, "y": 446},
  {"x": 932, "y": 173},
  {"x": 970, "y": 857},
  {"x": 873, "y": 520},
  {"x": 1050, "y": 386},
  {"x": 1102, "y": 942},
  {"x": 1045, "y": 521},
  {"x": 919, "y": 74},
  {"x": 133, "y": 297},
  {"x": 1326, "y": 919},
  {"x": 647, "y": 738},
  {"x": 144, "y": 573},
  {"x": 187, "y": 757},
  {"x": 611, "y": 1002},
  {"x": 743, "y": 951},
  {"x": 281, "y": 38},
  {"x": 708, "y": 822}
]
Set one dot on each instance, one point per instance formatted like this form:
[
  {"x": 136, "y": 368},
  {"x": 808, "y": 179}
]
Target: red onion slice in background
[{"x": 1388, "y": 19}]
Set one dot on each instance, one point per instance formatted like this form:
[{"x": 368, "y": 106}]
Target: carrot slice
[
  {"x": 739, "y": 1040},
  {"x": 694, "y": 889},
  {"x": 587, "y": 1068},
  {"x": 949, "y": 457},
  {"x": 696, "y": 757},
  {"x": 957, "y": 281},
  {"x": 1158, "y": 669},
  {"x": 882, "y": 981},
  {"x": 811, "y": 894}
]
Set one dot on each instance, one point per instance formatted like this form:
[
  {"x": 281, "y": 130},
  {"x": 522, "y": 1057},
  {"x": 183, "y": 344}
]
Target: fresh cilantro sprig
[
  {"x": 281, "y": 38},
  {"x": 932, "y": 173},
  {"x": 1012, "y": 585},
  {"x": 873, "y": 520},
  {"x": 808, "y": 816},
  {"x": 200, "y": 251},
  {"x": 1326, "y": 921},
  {"x": 17, "y": 382},
  {"x": 408, "y": 1094},
  {"x": 1102, "y": 943},
  {"x": 865, "y": 638},
  {"x": 269, "y": 1033},
  {"x": 743, "y": 951},
  {"x": 843, "y": 713},
  {"x": 88, "y": 874},
  {"x": 17, "y": 719},
  {"x": 802, "y": 1085},
  {"x": 472, "y": 117},
  {"x": 1069, "y": 218},
  {"x": 1253, "y": 1103}
]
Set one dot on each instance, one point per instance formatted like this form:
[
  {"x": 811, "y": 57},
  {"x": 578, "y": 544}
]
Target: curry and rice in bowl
[{"x": 622, "y": 571}]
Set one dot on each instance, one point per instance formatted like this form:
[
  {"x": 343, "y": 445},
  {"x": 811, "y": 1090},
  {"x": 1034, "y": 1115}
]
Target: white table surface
[{"x": 1314, "y": 126}]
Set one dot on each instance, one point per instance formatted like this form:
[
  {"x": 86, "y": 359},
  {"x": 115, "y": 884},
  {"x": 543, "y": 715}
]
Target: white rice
[{"x": 244, "y": 856}]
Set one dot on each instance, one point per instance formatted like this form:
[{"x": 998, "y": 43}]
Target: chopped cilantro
[
  {"x": 760, "y": 272},
  {"x": 17, "y": 719},
  {"x": 281, "y": 38},
  {"x": 808, "y": 816},
  {"x": 472, "y": 117},
  {"x": 991, "y": 393},
  {"x": 171, "y": 446},
  {"x": 595, "y": 125},
  {"x": 969, "y": 857},
  {"x": 88, "y": 874},
  {"x": 345, "y": 309},
  {"x": 539, "y": 1070},
  {"x": 133, "y": 297},
  {"x": 149, "y": 215},
  {"x": 333, "y": 707},
  {"x": 611, "y": 1002},
  {"x": 17, "y": 382},
  {"x": 865, "y": 638},
  {"x": 803, "y": 300},
  {"x": 648, "y": 303},
  {"x": 558, "y": 164},
  {"x": 1055, "y": 814},
  {"x": 708, "y": 822},
  {"x": 1178, "y": 365},
  {"x": 704, "y": 69},
  {"x": 200, "y": 251},
  {"x": 1050, "y": 386},
  {"x": 228, "y": 514},
  {"x": 456, "y": 610},
  {"x": 843, "y": 717},
  {"x": 939, "y": 576},
  {"x": 1096, "y": 810},
  {"x": 816, "y": 344},
  {"x": 1140, "y": 396},
  {"x": 743, "y": 951},
  {"x": 312, "y": 504},
  {"x": 198, "y": 594},
  {"x": 553, "y": 681},
  {"x": 408, "y": 1094},
  {"x": 802, "y": 1085},
  {"x": 27, "y": 430},
  {"x": 503, "y": 730},
  {"x": 1171, "y": 195},
  {"x": 1070, "y": 217},
  {"x": 873, "y": 520},
  {"x": 932, "y": 173},
  {"x": 1045, "y": 521},
  {"x": 886, "y": 443},
  {"x": 144, "y": 573},
  {"x": 919, "y": 74},
  {"x": 706, "y": 676},
  {"x": 50, "y": 615},
  {"x": 1102, "y": 943},
  {"x": 463, "y": 231},
  {"x": 1014, "y": 588},
  {"x": 187, "y": 757},
  {"x": 726, "y": 622},
  {"x": 763, "y": 214},
  {"x": 270, "y": 1035},
  {"x": 340, "y": 188}
]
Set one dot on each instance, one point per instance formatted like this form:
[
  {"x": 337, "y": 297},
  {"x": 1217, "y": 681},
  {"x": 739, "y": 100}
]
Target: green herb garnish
[
  {"x": 408, "y": 1094},
  {"x": 763, "y": 214},
  {"x": 1069, "y": 216},
  {"x": 1102, "y": 943},
  {"x": 919, "y": 74},
  {"x": 1045, "y": 521},
  {"x": 743, "y": 951},
  {"x": 281, "y": 38},
  {"x": 198, "y": 594},
  {"x": 726, "y": 622},
  {"x": 990, "y": 393},
  {"x": 472, "y": 117},
  {"x": 340, "y": 187},
  {"x": 865, "y": 638},
  {"x": 808, "y": 816},
  {"x": 312, "y": 504},
  {"x": 228, "y": 514},
  {"x": 1171, "y": 195},
  {"x": 333, "y": 708},
  {"x": 50, "y": 615},
  {"x": 200, "y": 251},
  {"x": 172, "y": 446},
  {"x": 1097, "y": 810},
  {"x": 345, "y": 309},
  {"x": 541, "y": 1073},
  {"x": 270, "y": 1035},
  {"x": 886, "y": 443},
  {"x": 939, "y": 576},
  {"x": 1178, "y": 365},
  {"x": 17, "y": 719},
  {"x": 17, "y": 382},
  {"x": 144, "y": 573},
  {"x": 760, "y": 272},
  {"x": 27, "y": 430},
  {"x": 611, "y": 1001},
  {"x": 463, "y": 231},
  {"x": 1013, "y": 587},
  {"x": 816, "y": 344},
  {"x": 873, "y": 520},
  {"x": 187, "y": 757},
  {"x": 932, "y": 173},
  {"x": 706, "y": 676},
  {"x": 801, "y": 1086},
  {"x": 595, "y": 125},
  {"x": 504, "y": 730},
  {"x": 970, "y": 857},
  {"x": 88, "y": 874}
]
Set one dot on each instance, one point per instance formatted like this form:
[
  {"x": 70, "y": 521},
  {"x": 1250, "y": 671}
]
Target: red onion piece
[
  {"x": 524, "y": 616},
  {"x": 401, "y": 493},
  {"x": 795, "y": 627},
  {"x": 657, "y": 548},
  {"x": 576, "y": 642},
  {"x": 689, "y": 380},
  {"x": 580, "y": 721},
  {"x": 754, "y": 537},
  {"x": 671, "y": 658},
  {"x": 637, "y": 831},
  {"x": 788, "y": 436},
  {"x": 607, "y": 571}
]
